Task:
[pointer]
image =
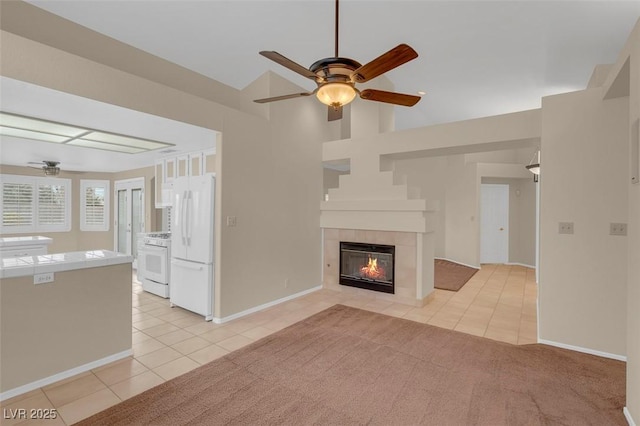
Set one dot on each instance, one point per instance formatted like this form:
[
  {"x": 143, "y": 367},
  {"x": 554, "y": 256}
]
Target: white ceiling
[
  {"x": 477, "y": 58},
  {"x": 34, "y": 101}
]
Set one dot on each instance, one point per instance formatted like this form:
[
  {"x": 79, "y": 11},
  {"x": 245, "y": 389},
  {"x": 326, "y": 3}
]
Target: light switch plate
[
  {"x": 618, "y": 229},
  {"x": 565, "y": 228},
  {"x": 231, "y": 221}
]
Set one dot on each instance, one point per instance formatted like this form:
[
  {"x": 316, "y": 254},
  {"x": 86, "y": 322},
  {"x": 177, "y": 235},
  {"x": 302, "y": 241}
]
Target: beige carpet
[
  {"x": 347, "y": 366},
  {"x": 450, "y": 275}
]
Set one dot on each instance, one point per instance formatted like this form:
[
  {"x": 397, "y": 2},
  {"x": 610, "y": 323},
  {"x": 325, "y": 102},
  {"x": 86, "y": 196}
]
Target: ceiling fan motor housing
[{"x": 330, "y": 70}]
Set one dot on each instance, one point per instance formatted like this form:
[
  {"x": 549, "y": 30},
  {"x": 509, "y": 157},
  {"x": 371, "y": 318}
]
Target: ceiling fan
[
  {"x": 336, "y": 77},
  {"x": 50, "y": 168}
]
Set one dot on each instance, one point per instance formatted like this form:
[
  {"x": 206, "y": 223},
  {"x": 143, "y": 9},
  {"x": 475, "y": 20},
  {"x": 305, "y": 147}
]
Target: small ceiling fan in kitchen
[
  {"x": 336, "y": 77},
  {"x": 50, "y": 168}
]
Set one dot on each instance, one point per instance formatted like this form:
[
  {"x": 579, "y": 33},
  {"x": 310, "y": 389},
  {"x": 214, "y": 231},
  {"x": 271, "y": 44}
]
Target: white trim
[
  {"x": 266, "y": 305},
  {"x": 455, "y": 261},
  {"x": 64, "y": 375},
  {"x": 520, "y": 264},
  {"x": 627, "y": 415},
  {"x": 583, "y": 350},
  {"x": 419, "y": 267}
]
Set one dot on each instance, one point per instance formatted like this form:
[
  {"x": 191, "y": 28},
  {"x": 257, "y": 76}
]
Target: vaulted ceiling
[{"x": 477, "y": 58}]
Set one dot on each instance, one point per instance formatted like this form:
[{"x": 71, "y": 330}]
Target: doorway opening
[
  {"x": 129, "y": 214},
  {"x": 494, "y": 223}
]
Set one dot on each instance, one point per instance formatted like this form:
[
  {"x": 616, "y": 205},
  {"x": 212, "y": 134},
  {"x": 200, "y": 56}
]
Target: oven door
[{"x": 154, "y": 263}]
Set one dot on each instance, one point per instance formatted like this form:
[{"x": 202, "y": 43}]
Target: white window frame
[
  {"x": 35, "y": 183},
  {"x": 87, "y": 184}
]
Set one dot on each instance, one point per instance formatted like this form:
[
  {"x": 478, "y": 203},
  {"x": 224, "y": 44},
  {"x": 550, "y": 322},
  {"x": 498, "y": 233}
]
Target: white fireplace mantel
[{"x": 379, "y": 215}]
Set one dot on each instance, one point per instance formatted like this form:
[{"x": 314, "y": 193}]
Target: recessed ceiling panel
[
  {"x": 28, "y": 134},
  {"x": 105, "y": 146},
  {"x": 124, "y": 140},
  {"x": 21, "y": 122}
]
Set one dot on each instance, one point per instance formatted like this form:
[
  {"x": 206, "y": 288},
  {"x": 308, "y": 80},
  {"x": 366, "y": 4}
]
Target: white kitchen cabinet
[
  {"x": 195, "y": 164},
  {"x": 182, "y": 163},
  {"x": 209, "y": 161},
  {"x": 164, "y": 182},
  {"x": 24, "y": 246},
  {"x": 167, "y": 170}
]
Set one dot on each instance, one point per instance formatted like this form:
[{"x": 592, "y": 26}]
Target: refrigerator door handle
[
  {"x": 189, "y": 217},
  {"x": 182, "y": 221},
  {"x": 188, "y": 265}
]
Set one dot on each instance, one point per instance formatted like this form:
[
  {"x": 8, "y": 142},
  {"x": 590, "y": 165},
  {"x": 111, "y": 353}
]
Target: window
[
  {"x": 35, "y": 204},
  {"x": 94, "y": 205}
]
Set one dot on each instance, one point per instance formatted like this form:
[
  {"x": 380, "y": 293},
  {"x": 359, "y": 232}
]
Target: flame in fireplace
[{"x": 372, "y": 270}]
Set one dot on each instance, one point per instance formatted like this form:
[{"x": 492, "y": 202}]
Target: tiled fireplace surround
[{"x": 409, "y": 269}]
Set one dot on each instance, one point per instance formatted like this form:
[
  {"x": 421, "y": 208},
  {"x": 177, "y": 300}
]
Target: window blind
[
  {"x": 51, "y": 204},
  {"x": 34, "y": 204},
  {"x": 94, "y": 214},
  {"x": 17, "y": 204}
]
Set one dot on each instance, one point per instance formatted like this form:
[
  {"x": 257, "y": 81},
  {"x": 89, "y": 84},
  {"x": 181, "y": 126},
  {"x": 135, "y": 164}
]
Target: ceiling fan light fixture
[
  {"x": 336, "y": 94},
  {"x": 534, "y": 168},
  {"x": 51, "y": 170}
]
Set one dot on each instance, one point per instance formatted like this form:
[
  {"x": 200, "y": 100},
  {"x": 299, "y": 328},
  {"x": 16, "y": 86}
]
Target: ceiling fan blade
[
  {"x": 288, "y": 63},
  {"x": 387, "y": 61},
  {"x": 334, "y": 113},
  {"x": 283, "y": 97},
  {"x": 389, "y": 97}
]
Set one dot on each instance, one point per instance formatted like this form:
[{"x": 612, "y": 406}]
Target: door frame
[
  {"x": 506, "y": 187},
  {"x": 127, "y": 185}
]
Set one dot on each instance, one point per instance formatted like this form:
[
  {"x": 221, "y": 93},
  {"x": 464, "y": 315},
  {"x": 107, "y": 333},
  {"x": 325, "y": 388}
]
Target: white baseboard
[
  {"x": 520, "y": 264},
  {"x": 627, "y": 415},
  {"x": 459, "y": 263},
  {"x": 265, "y": 305},
  {"x": 64, "y": 375},
  {"x": 583, "y": 350}
]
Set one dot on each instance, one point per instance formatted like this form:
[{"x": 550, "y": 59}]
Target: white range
[{"x": 154, "y": 251}]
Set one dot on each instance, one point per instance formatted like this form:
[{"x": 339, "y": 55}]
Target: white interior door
[
  {"x": 129, "y": 216},
  {"x": 494, "y": 226}
]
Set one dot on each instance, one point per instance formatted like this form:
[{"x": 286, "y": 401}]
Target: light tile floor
[{"x": 499, "y": 302}]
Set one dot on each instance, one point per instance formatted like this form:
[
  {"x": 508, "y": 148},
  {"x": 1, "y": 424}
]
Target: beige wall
[
  {"x": 330, "y": 179},
  {"x": 75, "y": 239},
  {"x": 429, "y": 175},
  {"x": 583, "y": 277},
  {"x": 452, "y": 181},
  {"x": 272, "y": 174},
  {"x": 81, "y": 317},
  {"x": 269, "y": 172},
  {"x": 631, "y": 52}
]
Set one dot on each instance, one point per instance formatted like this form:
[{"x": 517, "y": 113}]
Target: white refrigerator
[{"x": 192, "y": 242}]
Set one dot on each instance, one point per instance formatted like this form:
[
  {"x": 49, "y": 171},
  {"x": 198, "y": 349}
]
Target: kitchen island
[{"x": 62, "y": 314}]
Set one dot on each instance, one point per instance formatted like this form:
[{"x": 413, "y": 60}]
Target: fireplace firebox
[{"x": 369, "y": 266}]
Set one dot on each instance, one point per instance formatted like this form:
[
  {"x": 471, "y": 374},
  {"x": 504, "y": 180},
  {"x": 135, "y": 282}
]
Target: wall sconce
[{"x": 534, "y": 165}]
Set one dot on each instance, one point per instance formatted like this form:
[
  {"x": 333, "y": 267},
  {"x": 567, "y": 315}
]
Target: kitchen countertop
[
  {"x": 59, "y": 262},
  {"x": 24, "y": 241}
]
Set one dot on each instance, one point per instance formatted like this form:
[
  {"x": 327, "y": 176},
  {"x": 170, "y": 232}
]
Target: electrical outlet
[
  {"x": 286, "y": 282},
  {"x": 565, "y": 228},
  {"x": 43, "y": 278},
  {"x": 231, "y": 221},
  {"x": 618, "y": 229}
]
